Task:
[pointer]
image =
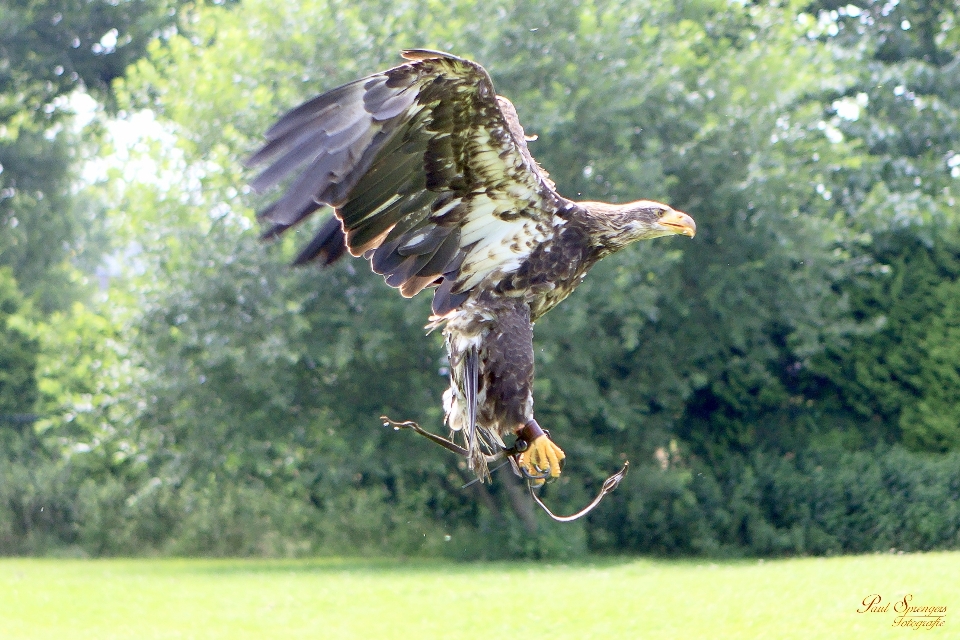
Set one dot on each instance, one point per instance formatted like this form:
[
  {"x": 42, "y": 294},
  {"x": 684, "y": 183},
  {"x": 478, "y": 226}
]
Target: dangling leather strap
[
  {"x": 525, "y": 436},
  {"x": 608, "y": 486}
]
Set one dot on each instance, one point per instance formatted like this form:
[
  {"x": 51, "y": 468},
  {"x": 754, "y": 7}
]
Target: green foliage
[
  {"x": 933, "y": 421},
  {"x": 820, "y": 502},
  {"x": 50, "y": 48},
  {"x": 887, "y": 180},
  {"x": 903, "y": 376},
  {"x": 42, "y": 222},
  {"x": 899, "y": 375},
  {"x": 238, "y": 346},
  {"x": 18, "y": 359},
  {"x": 213, "y": 401}
]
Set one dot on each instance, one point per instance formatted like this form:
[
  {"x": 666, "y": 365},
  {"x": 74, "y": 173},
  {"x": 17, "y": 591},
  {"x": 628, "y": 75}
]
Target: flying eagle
[{"x": 430, "y": 179}]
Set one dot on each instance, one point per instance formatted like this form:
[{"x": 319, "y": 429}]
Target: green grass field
[{"x": 380, "y": 600}]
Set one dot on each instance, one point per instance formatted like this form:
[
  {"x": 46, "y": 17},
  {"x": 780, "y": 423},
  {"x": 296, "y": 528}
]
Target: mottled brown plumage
[{"x": 431, "y": 180}]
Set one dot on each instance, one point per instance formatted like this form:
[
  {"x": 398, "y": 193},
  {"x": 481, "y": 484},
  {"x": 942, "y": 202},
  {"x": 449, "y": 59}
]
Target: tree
[
  {"x": 900, "y": 116},
  {"x": 49, "y": 51},
  {"x": 236, "y": 401},
  {"x": 18, "y": 360},
  {"x": 664, "y": 114}
]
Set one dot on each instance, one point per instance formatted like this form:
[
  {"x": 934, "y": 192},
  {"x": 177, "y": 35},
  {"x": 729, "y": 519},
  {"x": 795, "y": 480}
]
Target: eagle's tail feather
[{"x": 471, "y": 382}]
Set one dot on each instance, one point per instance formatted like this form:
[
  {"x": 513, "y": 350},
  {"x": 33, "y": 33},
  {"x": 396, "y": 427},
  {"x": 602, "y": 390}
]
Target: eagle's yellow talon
[{"x": 542, "y": 457}]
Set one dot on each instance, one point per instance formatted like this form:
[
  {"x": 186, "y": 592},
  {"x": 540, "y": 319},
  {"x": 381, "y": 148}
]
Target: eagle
[{"x": 430, "y": 179}]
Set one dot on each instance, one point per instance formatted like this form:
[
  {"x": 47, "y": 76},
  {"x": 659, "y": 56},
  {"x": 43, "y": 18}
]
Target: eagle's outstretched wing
[{"x": 428, "y": 172}]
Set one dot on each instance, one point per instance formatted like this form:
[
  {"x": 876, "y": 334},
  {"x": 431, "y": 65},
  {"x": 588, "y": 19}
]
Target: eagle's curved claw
[
  {"x": 541, "y": 462},
  {"x": 540, "y": 475}
]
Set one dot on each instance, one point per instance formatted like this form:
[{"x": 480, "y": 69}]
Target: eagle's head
[
  {"x": 618, "y": 225},
  {"x": 646, "y": 219}
]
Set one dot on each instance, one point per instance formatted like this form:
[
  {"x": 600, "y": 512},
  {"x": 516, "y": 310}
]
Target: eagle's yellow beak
[{"x": 679, "y": 223}]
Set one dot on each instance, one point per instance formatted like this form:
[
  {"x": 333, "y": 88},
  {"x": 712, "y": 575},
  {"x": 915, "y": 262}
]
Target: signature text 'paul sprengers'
[{"x": 906, "y": 614}]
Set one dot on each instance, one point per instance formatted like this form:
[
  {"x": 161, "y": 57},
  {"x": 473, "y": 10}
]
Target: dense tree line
[{"x": 786, "y": 383}]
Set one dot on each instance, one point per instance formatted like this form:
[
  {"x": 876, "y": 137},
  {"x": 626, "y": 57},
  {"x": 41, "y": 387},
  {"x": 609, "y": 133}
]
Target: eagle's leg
[{"x": 541, "y": 459}]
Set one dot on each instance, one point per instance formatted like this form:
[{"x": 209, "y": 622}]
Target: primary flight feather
[{"x": 430, "y": 179}]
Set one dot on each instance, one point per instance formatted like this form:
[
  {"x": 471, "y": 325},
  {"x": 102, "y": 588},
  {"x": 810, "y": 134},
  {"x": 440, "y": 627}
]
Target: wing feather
[
  {"x": 427, "y": 169},
  {"x": 327, "y": 246}
]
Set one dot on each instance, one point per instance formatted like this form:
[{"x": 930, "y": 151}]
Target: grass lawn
[{"x": 379, "y": 600}]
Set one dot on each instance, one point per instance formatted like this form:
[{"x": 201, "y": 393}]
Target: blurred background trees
[{"x": 788, "y": 382}]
